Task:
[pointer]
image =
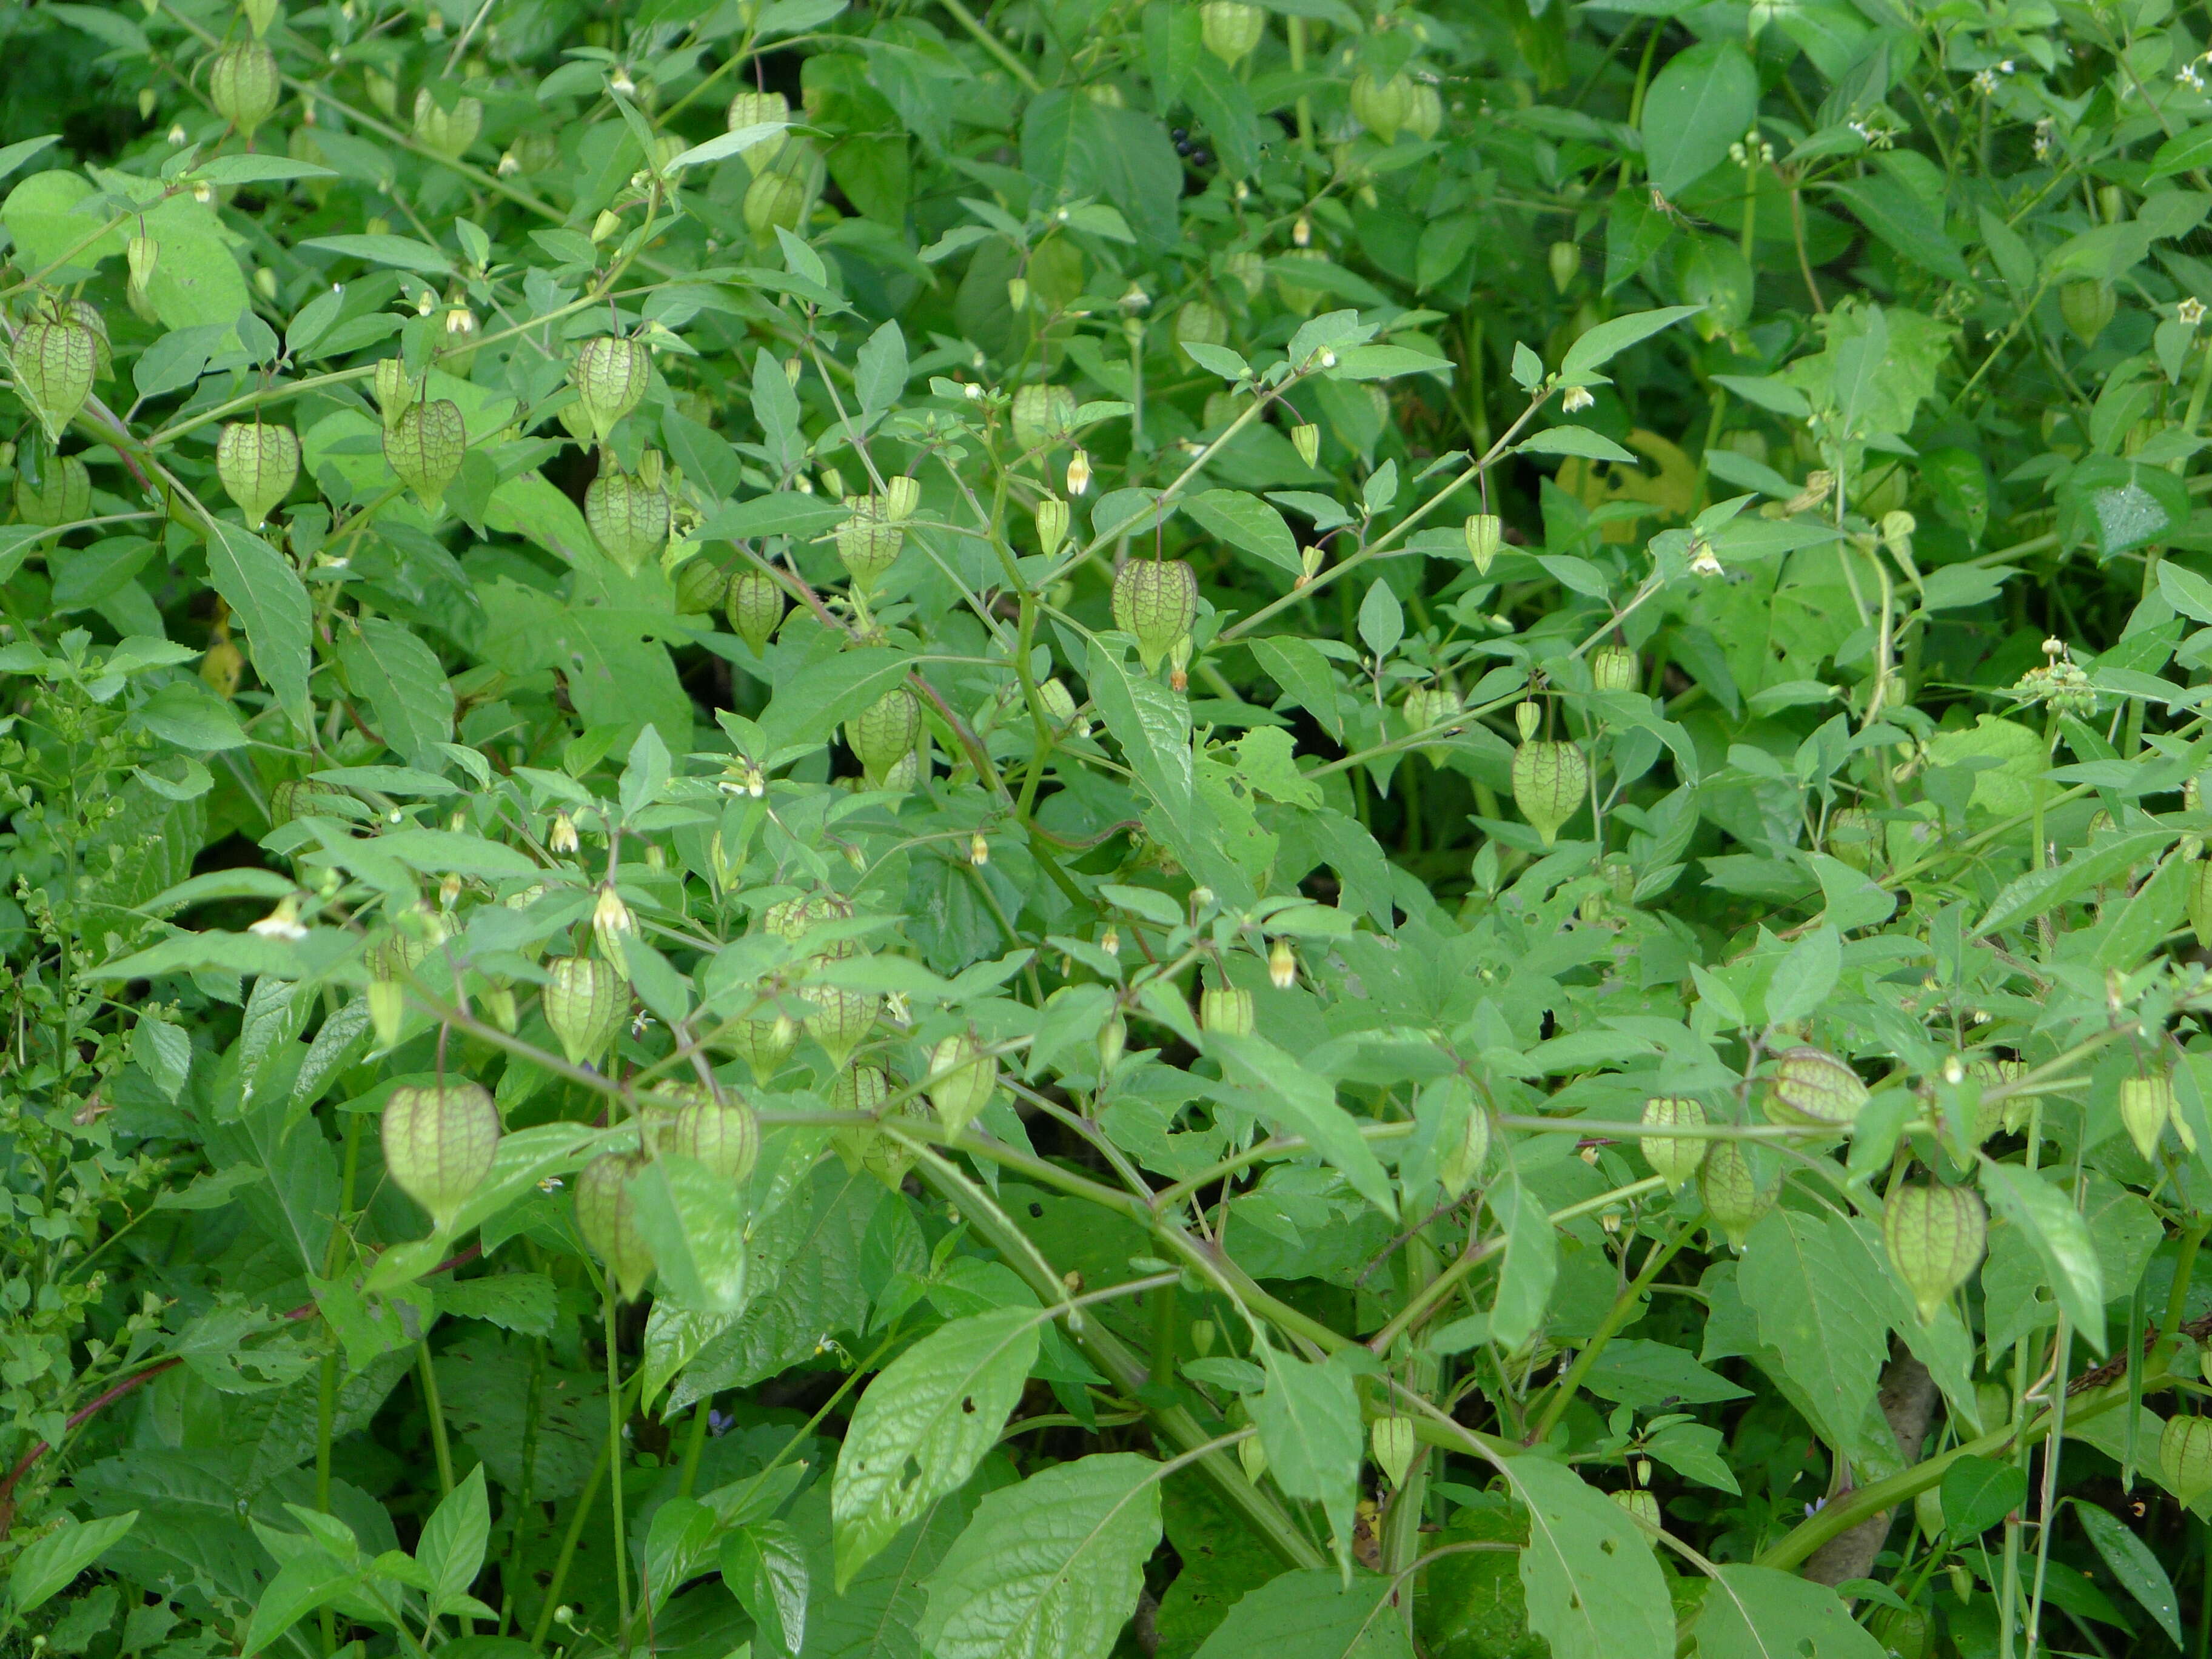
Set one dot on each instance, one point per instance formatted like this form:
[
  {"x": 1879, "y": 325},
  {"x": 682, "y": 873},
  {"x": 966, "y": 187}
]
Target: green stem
[
  {"x": 433, "y": 1407},
  {"x": 614, "y": 1465},
  {"x": 693, "y": 1449},
  {"x": 1624, "y": 1308}
]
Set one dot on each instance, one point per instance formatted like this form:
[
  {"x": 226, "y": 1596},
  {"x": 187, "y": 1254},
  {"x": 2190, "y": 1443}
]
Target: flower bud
[
  {"x": 724, "y": 1135},
  {"x": 1252, "y": 1457},
  {"x": 1935, "y": 1236},
  {"x": 1113, "y": 1038},
  {"x": 867, "y": 543},
  {"x": 1226, "y": 1008},
  {"x": 396, "y": 391},
  {"x": 1078, "y": 473},
  {"x": 1282, "y": 965},
  {"x": 1549, "y": 782},
  {"x": 54, "y": 361},
  {"x": 607, "y": 1218},
  {"x": 1392, "y": 1441},
  {"x": 1614, "y": 668},
  {"x": 629, "y": 518},
  {"x": 900, "y": 498},
  {"x": 611, "y": 923},
  {"x": 439, "y": 1144},
  {"x": 2184, "y": 1454},
  {"x": 387, "y": 1010},
  {"x": 448, "y": 131},
  {"x": 244, "y": 84},
  {"x": 775, "y": 201},
  {"x": 1527, "y": 718},
  {"x": 1042, "y": 416},
  {"x": 2147, "y": 1106},
  {"x": 1156, "y": 600},
  {"x": 885, "y": 731},
  {"x": 1737, "y": 1189},
  {"x": 257, "y": 465},
  {"x": 586, "y": 1003},
  {"x": 1485, "y": 534},
  {"x": 1230, "y": 30},
  {"x": 425, "y": 445},
  {"x": 755, "y": 607},
  {"x": 1305, "y": 438},
  {"x": 756, "y": 109},
  {"x": 965, "y": 1079},
  {"x": 259, "y": 15},
  {"x": 1381, "y": 106},
  {"x": 1812, "y": 1086},
  {"x": 1897, "y": 531},
  {"x": 61, "y": 495},
  {"x": 1676, "y": 1160},
  {"x": 1566, "y": 263},
  {"x": 1052, "y": 520}
]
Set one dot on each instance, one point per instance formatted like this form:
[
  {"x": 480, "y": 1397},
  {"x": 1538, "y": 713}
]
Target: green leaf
[
  {"x": 1304, "y": 673},
  {"x": 1977, "y": 1492},
  {"x": 1531, "y": 1264},
  {"x": 1702, "y": 101},
  {"x": 764, "y": 1564},
  {"x": 1576, "y": 440},
  {"x": 405, "y": 688},
  {"x": 301, "y": 1585},
  {"x": 401, "y": 253},
  {"x": 267, "y": 597},
  {"x": 1309, "y": 1421},
  {"x": 2133, "y": 1566},
  {"x": 1817, "y": 1314},
  {"x": 1599, "y": 346},
  {"x": 1050, "y": 1569},
  {"x": 694, "y": 1223},
  {"x": 1593, "y": 1590},
  {"x": 1313, "y": 1615},
  {"x": 2185, "y": 152},
  {"x": 810, "y": 707},
  {"x": 1758, "y": 1613},
  {"x": 2051, "y": 1224},
  {"x": 1804, "y": 978},
  {"x": 922, "y": 1426},
  {"x": 47, "y": 1565},
  {"x": 1293, "y": 1101},
  {"x": 451, "y": 1547},
  {"x": 1245, "y": 521}
]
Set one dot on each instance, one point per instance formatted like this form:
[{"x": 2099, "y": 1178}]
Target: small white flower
[
  {"x": 1577, "y": 399},
  {"x": 623, "y": 84},
  {"x": 2189, "y": 313},
  {"x": 1705, "y": 561},
  {"x": 282, "y": 922}
]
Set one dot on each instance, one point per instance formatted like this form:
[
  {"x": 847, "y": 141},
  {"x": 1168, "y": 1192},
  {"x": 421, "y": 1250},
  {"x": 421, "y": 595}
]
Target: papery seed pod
[
  {"x": 724, "y": 1135},
  {"x": 1052, "y": 520},
  {"x": 1737, "y": 1189},
  {"x": 1058, "y": 701},
  {"x": 762, "y": 1044},
  {"x": 754, "y": 109},
  {"x": 244, "y": 84},
  {"x": 867, "y": 543},
  {"x": 840, "y": 1020},
  {"x": 301, "y": 798},
  {"x": 448, "y": 131},
  {"x": 1296, "y": 297},
  {"x": 396, "y": 391},
  {"x": 257, "y": 465},
  {"x": 1113, "y": 1039},
  {"x": 1156, "y": 600},
  {"x": 775, "y": 201},
  {"x": 965, "y": 1079},
  {"x": 612, "y": 376},
  {"x": 587, "y": 1004},
  {"x": 1485, "y": 534},
  {"x": 1428, "y": 706},
  {"x": 1381, "y": 106},
  {"x": 1928, "y": 1512},
  {"x": 868, "y": 1088},
  {"x": 1424, "y": 116},
  {"x": 885, "y": 731},
  {"x": 1042, "y": 416},
  {"x": 88, "y": 317},
  {"x": 1566, "y": 263},
  {"x": 1226, "y": 1008},
  {"x": 387, "y": 1010},
  {"x": 1252, "y": 1457},
  {"x": 900, "y": 498},
  {"x": 1936, "y": 1237},
  {"x": 1676, "y": 1159},
  {"x": 54, "y": 362},
  {"x": 1247, "y": 269},
  {"x": 1550, "y": 780},
  {"x": 2200, "y": 901},
  {"x": 1527, "y": 718},
  {"x": 2147, "y": 1106},
  {"x": 61, "y": 494},
  {"x": 2086, "y": 307},
  {"x": 629, "y": 518},
  {"x": 701, "y": 587},
  {"x": 438, "y": 1143},
  {"x": 1614, "y": 668},
  {"x": 1230, "y": 30},
  {"x": 1812, "y": 1086},
  {"x": 1643, "y": 1506},
  {"x": 2184, "y": 1454},
  {"x": 1305, "y": 438},
  {"x": 606, "y": 1216},
  {"x": 397, "y": 953},
  {"x": 755, "y": 607},
  {"x": 1392, "y": 1442},
  {"x": 425, "y": 445},
  {"x": 1990, "y": 1114},
  {"x": 1851, "y": 837},
  {"x": 1199, "y": 323}
]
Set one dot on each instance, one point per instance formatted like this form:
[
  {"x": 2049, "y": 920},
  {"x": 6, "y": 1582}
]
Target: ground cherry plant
[{"x": 1105, "y": 827}]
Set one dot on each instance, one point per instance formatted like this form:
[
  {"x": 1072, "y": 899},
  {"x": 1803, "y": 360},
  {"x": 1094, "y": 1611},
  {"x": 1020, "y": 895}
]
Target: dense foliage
[{"x": 1105, "y": 826}]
